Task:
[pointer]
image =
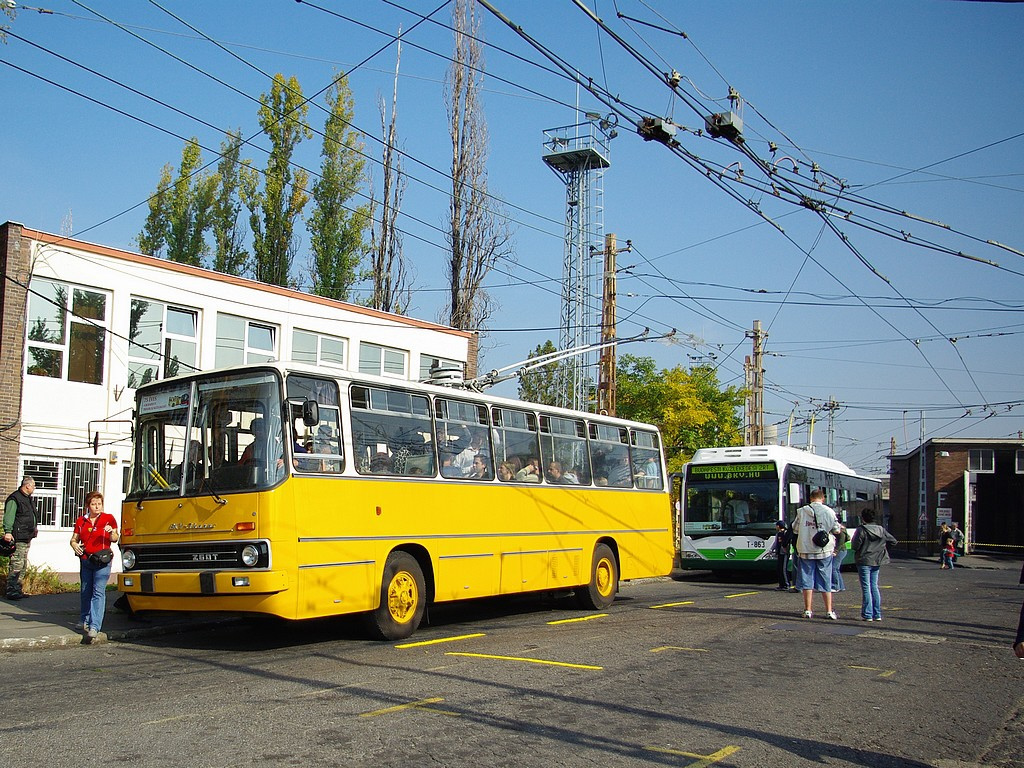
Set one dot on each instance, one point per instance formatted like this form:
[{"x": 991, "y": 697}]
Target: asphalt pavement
[{"x": 38, "y": 622}]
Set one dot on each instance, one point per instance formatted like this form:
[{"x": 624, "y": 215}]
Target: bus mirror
[
  {"x": 310, "y": 413},
  {"x": 795, "y": 496}
]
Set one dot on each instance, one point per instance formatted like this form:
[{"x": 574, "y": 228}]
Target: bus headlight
[
  {"x": 127, "y": 559},
  {"x": 250, "y": 555}
]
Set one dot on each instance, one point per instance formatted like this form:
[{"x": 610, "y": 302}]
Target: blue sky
[{"x": 916, "y": 105}]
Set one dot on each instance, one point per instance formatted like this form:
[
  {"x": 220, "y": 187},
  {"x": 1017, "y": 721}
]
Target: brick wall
[{"x": 14, "y": 263}]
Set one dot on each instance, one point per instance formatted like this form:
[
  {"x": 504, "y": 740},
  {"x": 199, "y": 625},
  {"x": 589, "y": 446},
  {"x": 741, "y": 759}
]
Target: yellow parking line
[
  {"x": 523, "y": 658},
  {"x": 677, "y": 648},
  {"x": 673, "y": 605},
  {"x": 440, "y": 640},
  {"x": 884, "y": 673},
  {"x": 422, "y": 704},
  {"x": 581, "y": 618},
  {"x": 702, "y": 760},
  {"x": 741, "y": 594}
]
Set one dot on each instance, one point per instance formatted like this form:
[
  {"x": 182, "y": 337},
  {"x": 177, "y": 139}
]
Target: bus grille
[{"x": 221, "y": 555}]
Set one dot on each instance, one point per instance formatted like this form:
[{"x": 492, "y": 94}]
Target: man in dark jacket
[
  {"x": 783, "y": 546},
  {"x": 19, "y": 526}
]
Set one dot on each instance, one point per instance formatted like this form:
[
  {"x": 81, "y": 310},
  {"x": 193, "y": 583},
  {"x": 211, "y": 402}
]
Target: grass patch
[{"x": 37, "y": 581}]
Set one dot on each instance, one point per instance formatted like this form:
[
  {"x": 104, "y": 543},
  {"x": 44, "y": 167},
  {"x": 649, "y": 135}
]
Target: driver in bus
[{"x": 737, "y": 512}]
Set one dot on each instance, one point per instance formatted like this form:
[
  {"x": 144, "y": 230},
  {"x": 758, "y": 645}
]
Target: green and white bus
[{"x": 731, "y": 498}]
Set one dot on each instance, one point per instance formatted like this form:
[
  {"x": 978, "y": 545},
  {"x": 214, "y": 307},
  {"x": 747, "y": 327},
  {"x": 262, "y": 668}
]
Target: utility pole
[
  {"x": 753, "y": 367},
  {"x": 606, "y": 367},
  {"x": 831, "y": 406}
]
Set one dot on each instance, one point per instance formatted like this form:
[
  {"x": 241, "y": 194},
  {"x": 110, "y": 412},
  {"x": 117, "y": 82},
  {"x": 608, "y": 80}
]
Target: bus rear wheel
[
  {"x": 604, "y": 581},
  {"x": 402, "y": 599}
]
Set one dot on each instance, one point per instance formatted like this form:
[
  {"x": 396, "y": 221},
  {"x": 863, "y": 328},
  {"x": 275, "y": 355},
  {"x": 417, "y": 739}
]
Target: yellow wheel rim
[
  {"x": 403, "y": 597},
  {"x": 605, "y": 576}
]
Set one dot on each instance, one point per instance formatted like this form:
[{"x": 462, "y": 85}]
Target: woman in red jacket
[{"x": 94, "y": 532}]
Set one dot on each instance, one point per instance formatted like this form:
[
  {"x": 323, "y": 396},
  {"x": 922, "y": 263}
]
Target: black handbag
[
  {"x": 821, "y": 537},
  {"x": 102, "y": 557}
]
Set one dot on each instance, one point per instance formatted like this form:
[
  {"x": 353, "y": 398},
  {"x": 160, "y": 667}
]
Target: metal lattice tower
[{"x": 579, "y": 155}]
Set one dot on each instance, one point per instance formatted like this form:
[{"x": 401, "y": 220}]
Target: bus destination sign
[{"x": 764, "y": 471}]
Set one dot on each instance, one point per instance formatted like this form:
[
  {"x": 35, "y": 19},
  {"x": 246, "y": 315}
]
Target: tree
[
  {"x": 336, "y": 230},
  {"x": 542, "y": 385},
  {"x": 690, "y": 407},
  {"x": 388, "y": 270},
  {"x": 478, "y": 237},
  {"x": 10, "y": 12},
  {"x": 229, "y": 255},
  {"x": 180, "y": 211},
  {"x": 274, "y": 209}
]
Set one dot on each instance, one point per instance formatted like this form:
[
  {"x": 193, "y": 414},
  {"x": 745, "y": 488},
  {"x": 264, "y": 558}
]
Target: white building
[{"x": 84, "y": 324}]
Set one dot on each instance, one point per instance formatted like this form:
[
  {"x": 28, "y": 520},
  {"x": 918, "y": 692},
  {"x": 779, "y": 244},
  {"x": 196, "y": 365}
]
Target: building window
[
  {"x": 67, "y": 332},
  {"x": 382, "y": 361},
  {"x": 162, "y": 341},
  {"x": 318, "y": 349},
  {"x": 981, "y": 460},
  {"x": 244, "y": 341},
  {"x": 1020, "y": 462},
  {"x": 61, "y": 485},
  {"x": 429, "y": 361}
]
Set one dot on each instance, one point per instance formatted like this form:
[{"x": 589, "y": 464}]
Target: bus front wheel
[
  {"x": 402, "y": 599},
  {"x": 604, "y": 581}
]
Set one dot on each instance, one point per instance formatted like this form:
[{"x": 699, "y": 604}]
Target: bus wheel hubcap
[
  {"x": 402, "y": 597},
  {"x": 604, "y": 577}
]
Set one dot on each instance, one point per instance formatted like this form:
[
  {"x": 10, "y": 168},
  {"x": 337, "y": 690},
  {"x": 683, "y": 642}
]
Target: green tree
[
  {"x": 336, "y": 229},
  {"x": 542, "y": 385},
  {"x": 689, "y": 406},
  {"x": 274, "y": 209},
  {"x": 229, "y": 254},
  {"x": 180, "y": 211}
]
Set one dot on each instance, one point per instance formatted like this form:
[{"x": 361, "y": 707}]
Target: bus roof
[
  {"x": 438, "y": 390},
  {"x": 780, "y": 454}
]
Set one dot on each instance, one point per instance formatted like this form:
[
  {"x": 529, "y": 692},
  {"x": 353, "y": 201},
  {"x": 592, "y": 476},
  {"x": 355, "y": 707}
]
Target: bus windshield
[
  {"x": 216, "y": 435},
  {"x": 714, "y": 505}
]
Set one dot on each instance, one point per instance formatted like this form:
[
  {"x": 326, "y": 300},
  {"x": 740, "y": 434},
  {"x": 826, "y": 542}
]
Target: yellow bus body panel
[{"x": 330, "y": 539}]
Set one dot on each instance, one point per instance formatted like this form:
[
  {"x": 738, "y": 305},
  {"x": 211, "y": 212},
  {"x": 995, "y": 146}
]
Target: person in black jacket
[
  {"x": 19, "y": 526},
  {"x": 783, "y": 546}
]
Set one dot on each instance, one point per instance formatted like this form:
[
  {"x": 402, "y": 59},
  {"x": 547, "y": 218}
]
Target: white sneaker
[
  {"x": 832, "y": 615},
  {"x": 807, "y": 614}
]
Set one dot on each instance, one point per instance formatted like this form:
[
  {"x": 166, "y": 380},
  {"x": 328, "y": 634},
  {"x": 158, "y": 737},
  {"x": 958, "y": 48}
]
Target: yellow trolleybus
[{"x": 278, "y": 489}]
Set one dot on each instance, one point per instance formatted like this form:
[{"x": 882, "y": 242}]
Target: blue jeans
[
  {"x": 94, "y": 594},
  {"x": 837, "y": 577},
  {"x": 870, "y": 595}
]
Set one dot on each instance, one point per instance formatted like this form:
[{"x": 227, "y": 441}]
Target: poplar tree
[
  {"x": 388, "y": 269},
  {"x": 229, "y": 254},
  {"x": 336, "y": 229},
  {"x": 274, "y": 209},
  {"x": 180, "y": 211},
  {"x": 478, "y": 237}
]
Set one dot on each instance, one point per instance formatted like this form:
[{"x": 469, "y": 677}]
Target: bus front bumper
[{"x": 202, "y": 582}]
